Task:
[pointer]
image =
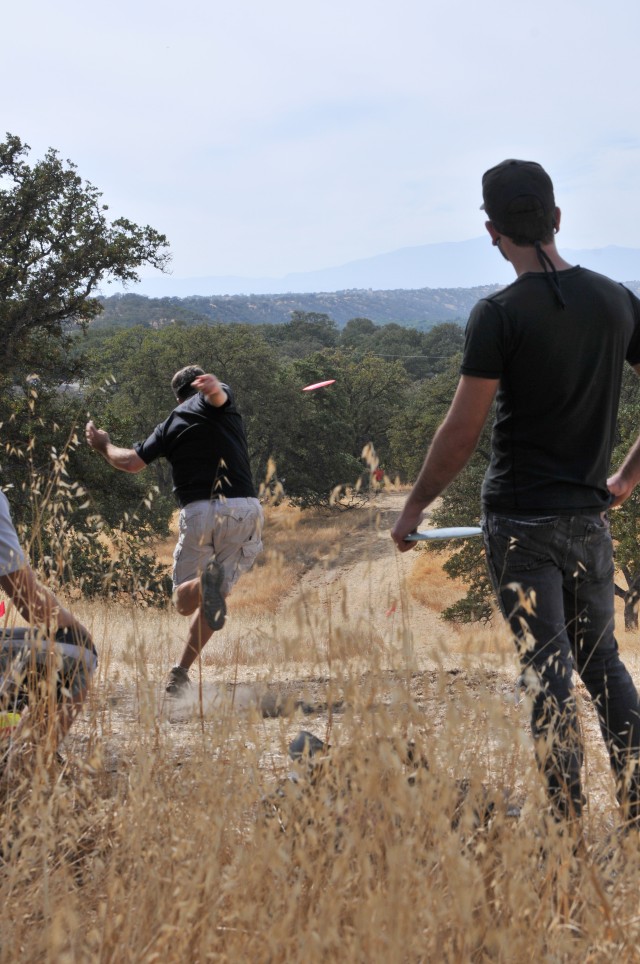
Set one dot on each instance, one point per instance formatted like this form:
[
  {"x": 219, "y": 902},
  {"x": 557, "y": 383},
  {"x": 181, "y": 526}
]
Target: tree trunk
[
  {"x": 631, "y": 611},
  {"x": 631, "y": 597}
]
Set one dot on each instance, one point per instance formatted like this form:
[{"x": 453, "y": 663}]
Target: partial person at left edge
[
  {"x": 221, "y": 519},
  {"x": 54, "y": 647}
]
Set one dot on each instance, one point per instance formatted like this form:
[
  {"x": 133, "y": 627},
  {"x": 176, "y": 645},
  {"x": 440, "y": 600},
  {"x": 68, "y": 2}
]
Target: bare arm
[
  {"x": 453, "y": 445},
  {"x": 211, "y": 388},
  {"x": 127, "y": 460},
  {"x": 37, "y": 604},
  {"x": 623, "y": 482}
]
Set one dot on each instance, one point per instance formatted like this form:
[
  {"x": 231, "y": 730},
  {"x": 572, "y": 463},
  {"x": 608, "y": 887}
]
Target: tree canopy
[
  {"x": 393, "y": 387},
  {"x": 57, "y": 245}
]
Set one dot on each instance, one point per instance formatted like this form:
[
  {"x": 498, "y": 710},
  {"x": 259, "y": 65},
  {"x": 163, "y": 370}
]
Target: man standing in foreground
[
  {"x": 552, "y": 346},
  {"x": 220, "y": 516}
]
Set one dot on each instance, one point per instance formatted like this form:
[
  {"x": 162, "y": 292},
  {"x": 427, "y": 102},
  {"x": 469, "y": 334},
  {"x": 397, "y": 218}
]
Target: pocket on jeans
[
  {"x": 597, "y": 549},
  {"x": 529, "y": 524},
  {"x": 520, "y": 545}
]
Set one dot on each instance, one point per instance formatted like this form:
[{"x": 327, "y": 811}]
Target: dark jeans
[
  {"x": 28, "y": 659},
  {"x": 553, "y": 577}
]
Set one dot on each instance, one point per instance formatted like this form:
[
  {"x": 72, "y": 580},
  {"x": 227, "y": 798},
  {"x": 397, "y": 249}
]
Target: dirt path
[
  {"x": 368, "y": 578},
  {"x": 396, "y": 655}
]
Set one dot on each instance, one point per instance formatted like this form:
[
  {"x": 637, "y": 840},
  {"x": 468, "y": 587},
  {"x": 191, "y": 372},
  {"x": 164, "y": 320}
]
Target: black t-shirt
[
  {"x": 560, "y": 373},
  {"x": 207, "y": 449}
]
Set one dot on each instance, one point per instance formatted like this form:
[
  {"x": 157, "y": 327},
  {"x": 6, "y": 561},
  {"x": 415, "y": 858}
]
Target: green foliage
[
  {"x": 315, "y": 449},
  {"x": 304, "y": 334},
  {"x": 460, "y": 506},
  {"x": 442, "y": 343},
  {"x": 424, "y": 407},
  {"x": 142, "y": 362},
  {"x": 323, "y": 433},
  {"x": 468, "y": 564},
  {"x": 42, "y": 444},
  {"x": 56, "y": 246},
  {"x": 357, "y": 334},
  {"x": 625, "y": 521},
  {"x": 129, "y": 310},
  {"x": 315, "y": 440},
  {"x": 74, "y": 548},
  {"x": 97, "y": 561},
  {"x": 412, "y": 433},
  {"x": 422, "y": 354},
  {"x": 376, "y": 391},
  {"x": 418, "y": 309}
]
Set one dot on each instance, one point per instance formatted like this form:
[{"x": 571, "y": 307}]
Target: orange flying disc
[{"x": 310, "y": 388}]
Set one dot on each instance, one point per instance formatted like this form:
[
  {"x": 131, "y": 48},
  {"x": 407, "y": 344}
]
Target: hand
[
  {"x": 97, "y": 438},
  {"x": 211, "y": 388},
  {"x": 207, "y": 384},
  {"x": 407, "y": 523},
  {"x": 620, "y": 488}
]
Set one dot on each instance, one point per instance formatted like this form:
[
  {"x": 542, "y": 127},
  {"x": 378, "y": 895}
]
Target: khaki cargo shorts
[{"x": 229, "y": 529}]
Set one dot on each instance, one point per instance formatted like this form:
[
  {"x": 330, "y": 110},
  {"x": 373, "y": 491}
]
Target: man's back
[
  {"x": 207, "y": 449},
  {"x": 560, "y": 371},
  {"x": 550, "y": 350}
]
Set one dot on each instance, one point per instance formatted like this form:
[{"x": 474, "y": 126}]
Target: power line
[{"x": 426, "y": 357}]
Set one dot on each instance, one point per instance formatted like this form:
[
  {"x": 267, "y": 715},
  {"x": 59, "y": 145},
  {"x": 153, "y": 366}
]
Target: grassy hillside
[
  {"x": 187, "y": 833},
  {"x": 420, "y": 308}
]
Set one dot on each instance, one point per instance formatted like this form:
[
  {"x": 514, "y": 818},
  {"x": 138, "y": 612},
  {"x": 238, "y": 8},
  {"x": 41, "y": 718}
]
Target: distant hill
[
  {"x": 421, "y": 308},
  {"x": 452, "y": 265}
]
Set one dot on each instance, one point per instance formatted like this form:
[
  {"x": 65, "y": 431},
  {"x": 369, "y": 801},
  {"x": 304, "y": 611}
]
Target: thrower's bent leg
[
  {"x": 218, "y": 541},
  {"x": 199, "y": 634},
  {"x": 187, "y": 597}
]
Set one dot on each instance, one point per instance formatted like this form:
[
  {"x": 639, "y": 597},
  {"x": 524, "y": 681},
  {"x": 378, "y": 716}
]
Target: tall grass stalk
[{"x": 186, "y": 833}]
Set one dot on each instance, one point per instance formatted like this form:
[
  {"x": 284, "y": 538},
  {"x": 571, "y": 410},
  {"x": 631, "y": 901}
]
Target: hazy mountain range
[{"x": 455, "y": 264}]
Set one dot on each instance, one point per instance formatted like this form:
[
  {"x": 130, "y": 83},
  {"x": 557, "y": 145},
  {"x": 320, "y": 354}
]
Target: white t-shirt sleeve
[{"x": 11, "y": 555}]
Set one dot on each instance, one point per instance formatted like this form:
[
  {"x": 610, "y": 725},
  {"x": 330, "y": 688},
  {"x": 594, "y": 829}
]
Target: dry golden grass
[
  {"x": 430, "y": 585},
  {"x": 176, "y": 833}
]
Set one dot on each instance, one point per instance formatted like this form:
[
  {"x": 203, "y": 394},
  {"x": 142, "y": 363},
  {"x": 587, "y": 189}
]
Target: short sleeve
[
  {"x": 11, "y": 555},
  {"x": 484, "y": 346},
  {"x": 152, "y": 448}
]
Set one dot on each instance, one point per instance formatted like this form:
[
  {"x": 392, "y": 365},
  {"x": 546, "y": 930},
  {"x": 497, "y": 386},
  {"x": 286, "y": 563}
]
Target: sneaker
[
  {"x": 178, "y": 681},
  {"x": 214, "y": 607}
]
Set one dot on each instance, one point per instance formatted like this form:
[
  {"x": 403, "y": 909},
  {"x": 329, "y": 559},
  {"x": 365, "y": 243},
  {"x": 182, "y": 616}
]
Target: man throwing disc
[
  {"x": 551, "y": 349},
  {"x": 221, "y": 519}
]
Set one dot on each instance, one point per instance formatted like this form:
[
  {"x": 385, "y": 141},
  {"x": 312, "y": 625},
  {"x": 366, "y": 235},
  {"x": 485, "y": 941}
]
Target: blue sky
[{"x": 267, "y": 138}]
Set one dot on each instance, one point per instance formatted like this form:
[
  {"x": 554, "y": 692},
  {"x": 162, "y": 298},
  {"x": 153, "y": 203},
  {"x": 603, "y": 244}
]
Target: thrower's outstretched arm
[{"x": 126, "y": 460}]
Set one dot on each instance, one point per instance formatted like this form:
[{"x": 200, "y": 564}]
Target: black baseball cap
[{"x": 513, "y": 189}]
